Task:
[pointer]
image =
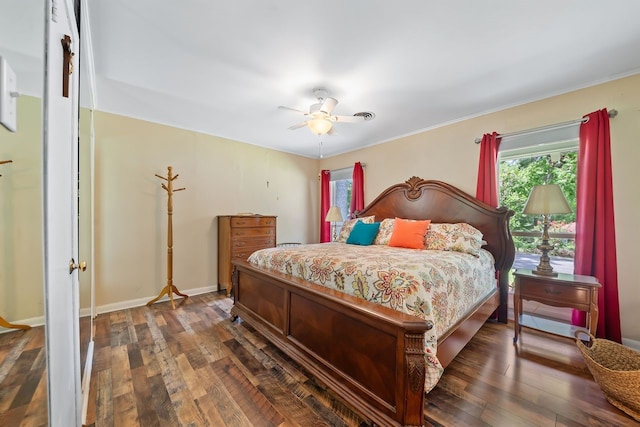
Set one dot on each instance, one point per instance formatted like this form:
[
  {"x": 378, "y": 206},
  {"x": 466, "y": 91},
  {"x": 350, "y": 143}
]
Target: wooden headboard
[{"x": 443, "y": 203}]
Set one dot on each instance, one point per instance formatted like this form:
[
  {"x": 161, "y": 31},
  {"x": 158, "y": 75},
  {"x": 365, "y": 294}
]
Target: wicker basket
[{"x": 616, "y": 369}]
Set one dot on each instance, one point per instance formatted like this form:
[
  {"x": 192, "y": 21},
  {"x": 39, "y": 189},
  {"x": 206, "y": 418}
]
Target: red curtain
[
  {"x": 357, "y": 189},
  {"x": 487, "y": 186},
  {"x": 325, "y": 204},
  {"x": 595, "y": 226}
]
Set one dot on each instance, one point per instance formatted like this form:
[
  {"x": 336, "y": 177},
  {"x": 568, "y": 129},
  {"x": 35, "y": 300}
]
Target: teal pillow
[{"x": 363, "y": 234}]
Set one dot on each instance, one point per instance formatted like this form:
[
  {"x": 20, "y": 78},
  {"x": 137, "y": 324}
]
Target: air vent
[{"x": 366, "y": 114}]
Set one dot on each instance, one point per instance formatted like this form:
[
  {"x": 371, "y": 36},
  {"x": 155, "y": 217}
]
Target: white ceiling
[{"x": 223, "y": 67}]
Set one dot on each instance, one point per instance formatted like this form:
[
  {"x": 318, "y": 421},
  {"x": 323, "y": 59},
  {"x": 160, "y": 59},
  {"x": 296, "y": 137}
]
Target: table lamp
[
  {"x": 546, "y": 200},
  {"x": 334, "y": 216}
]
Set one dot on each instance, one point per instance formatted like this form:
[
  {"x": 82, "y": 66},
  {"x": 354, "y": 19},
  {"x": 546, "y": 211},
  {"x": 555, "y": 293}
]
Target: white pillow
[
  {"x": 460, "y": 237},
  {"x": 385, "y": 231}
]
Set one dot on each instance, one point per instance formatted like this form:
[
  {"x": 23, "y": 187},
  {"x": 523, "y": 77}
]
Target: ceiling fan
[{"x": 319, "y": 118}]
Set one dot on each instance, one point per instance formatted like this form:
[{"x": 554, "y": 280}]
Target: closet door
[{"x": 60, "y": 206}]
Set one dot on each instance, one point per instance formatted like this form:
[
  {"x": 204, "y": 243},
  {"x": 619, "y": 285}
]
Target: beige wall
[
  {"x": 21, "y": 291},
  {"x": 449, "y": 154},
  {"x": 21, "y": 288},
  {"x": 221, "y": 177},
  {"x": 225, "y": 177}
]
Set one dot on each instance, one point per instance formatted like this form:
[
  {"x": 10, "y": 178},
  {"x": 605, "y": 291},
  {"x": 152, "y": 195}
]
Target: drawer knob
[{"x": 552, "y": 292}]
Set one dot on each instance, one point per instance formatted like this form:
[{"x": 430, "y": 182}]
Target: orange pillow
[{"x": 409, "y": 233}]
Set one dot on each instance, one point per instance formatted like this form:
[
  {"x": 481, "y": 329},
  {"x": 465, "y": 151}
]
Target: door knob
[{"x": 72, "y": 265}]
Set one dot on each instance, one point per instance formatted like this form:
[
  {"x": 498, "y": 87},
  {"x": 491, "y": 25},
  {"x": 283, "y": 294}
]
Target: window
[
  {"x": 340, "y": 185},
  {"x": 533, "y": 159}
]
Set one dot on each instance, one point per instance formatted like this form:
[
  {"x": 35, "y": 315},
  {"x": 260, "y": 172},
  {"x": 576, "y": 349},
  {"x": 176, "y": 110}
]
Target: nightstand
[{"x": 564, "y": 290}]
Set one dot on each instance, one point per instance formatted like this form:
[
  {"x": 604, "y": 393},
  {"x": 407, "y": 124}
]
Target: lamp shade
[
  {"x": 333, "y": 215},
  {"x": 546, "y": 199},
  {"x": 319, "y": 126}
]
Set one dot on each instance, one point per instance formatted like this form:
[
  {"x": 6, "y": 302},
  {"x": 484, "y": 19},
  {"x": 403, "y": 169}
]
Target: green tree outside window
[{"x": 517, "y": 178}]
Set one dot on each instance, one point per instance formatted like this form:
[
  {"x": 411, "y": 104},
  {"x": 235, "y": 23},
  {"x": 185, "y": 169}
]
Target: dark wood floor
[{"x": 192, "y": 367}]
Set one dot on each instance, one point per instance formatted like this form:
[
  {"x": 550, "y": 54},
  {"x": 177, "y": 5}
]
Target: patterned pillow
[
  {"x": 348, "y": 225},
  {"x": 459, "y": 237},
  {"x": 385, "y": 231}
]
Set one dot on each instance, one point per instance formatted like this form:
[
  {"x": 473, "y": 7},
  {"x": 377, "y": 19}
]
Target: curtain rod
[
  {"x": 347, "y": 168},
  {"x": 342, "y": 169},
  {"x": 612, "y": 114}
]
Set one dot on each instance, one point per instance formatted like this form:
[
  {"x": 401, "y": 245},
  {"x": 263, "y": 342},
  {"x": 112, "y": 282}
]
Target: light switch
[{"x": 8, "y": 96}]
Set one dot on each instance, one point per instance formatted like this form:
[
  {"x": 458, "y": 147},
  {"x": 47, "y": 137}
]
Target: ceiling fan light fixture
[{"x": 319, "y": 126}]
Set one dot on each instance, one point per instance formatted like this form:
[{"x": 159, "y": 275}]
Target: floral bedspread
[{"x": 438, "y": 286}]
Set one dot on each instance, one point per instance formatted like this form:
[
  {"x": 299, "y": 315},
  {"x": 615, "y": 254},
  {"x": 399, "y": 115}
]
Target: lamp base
[
  {"x": 544, "y": 268},
  {"x": 543, "y": 272}
]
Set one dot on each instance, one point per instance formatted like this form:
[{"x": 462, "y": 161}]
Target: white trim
[
  {"x": 86, "y": 45},
  {"x": 86, "y": 381},
  {"x": 340, "y": 174},
  {"x": 631, "y": 343},
  {"x": 33, "y": 322},
  {"x": 92, "y": 213},
  {"x": 139, "y": 302},
  {"x": 107, "y": 308},
  {"x": 533, "y": 150}
]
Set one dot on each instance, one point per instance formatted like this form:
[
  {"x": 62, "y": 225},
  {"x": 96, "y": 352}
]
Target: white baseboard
[
  {"x": 139, "y": 302},
  {"x": 107, "y": 308},
  {"x": 33, "y": 322},
  {"x": 634, "y": 344}
]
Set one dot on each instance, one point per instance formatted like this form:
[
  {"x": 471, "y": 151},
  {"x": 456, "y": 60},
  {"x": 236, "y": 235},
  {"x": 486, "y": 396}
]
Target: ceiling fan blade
[
  {"x": 332, "y": 131},
  {"x": 298, "y": 126},
  {"x": 328, "y": 105},
  {"x": 348, "y": 119},
  {"x": 282, "y": 107}
]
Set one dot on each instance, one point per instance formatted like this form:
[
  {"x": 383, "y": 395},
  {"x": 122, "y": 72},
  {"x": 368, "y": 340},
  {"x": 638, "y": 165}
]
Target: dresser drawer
[
  {"x": 252, "y": 222},
  {"x": 243, "y": 254},
  {"x": 540, "y": 291},
  {"x": 240, "y": 243},
  {"x": 252, "y": 232}
]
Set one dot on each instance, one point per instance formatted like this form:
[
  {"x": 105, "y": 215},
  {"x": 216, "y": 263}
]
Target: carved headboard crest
[{"x": 414, "y": 192}]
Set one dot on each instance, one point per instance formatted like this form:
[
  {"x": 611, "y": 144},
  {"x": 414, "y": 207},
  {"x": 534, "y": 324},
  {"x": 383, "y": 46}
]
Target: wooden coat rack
[
  {"x": 170, "y": 289},
  {"x": 3, "y": 322}
]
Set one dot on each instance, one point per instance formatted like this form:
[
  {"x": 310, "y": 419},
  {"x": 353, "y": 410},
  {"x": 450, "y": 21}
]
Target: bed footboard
[{"x": 371, "y": 356}]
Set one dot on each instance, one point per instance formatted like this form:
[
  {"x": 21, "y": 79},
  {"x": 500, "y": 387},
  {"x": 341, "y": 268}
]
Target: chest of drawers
[{"x": 238, "y": 237}]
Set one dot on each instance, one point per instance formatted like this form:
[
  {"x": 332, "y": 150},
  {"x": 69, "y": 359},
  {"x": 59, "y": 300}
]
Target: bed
[{"x": 373, "y": 356}]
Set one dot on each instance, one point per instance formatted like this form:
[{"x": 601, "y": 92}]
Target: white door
[{"x": 60, "y": 226}]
